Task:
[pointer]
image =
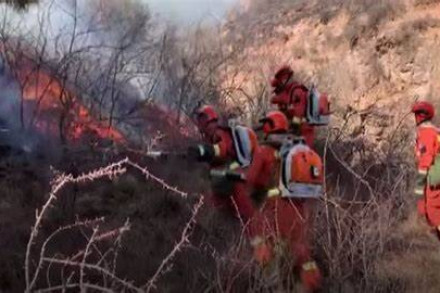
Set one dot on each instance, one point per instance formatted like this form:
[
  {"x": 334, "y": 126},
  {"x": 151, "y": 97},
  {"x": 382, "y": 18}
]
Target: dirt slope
[{"x": 373, "y": 57}]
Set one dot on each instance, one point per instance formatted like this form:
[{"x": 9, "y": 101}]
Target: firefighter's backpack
[
  {"x": 434, "y": 170},
  {"x": 301, "y": 171},
  {"x": 318, "y": 108},
  {"x": 242, "y": 144}
]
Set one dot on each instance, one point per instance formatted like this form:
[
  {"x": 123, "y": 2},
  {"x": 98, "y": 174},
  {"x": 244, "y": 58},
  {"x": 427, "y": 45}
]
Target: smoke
[
  {"x": 13, "y": 137},
  {"x": 108, "y": 53},
  {"x": 16, "y": 138},
  {"x": 90, "y": 21},
  {"x": 9, "y": 103},
  {"x": 101, "y": 50},
  {"x": 192, "y": 11}
]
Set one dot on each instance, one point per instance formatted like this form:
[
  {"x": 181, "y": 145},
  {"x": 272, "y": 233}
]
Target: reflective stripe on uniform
[
  {"x": 201, "y": 150},
  {"x": 427, "y": 124},
  {"x": 273, "y": 192},
  {"x": 418, "y": 191},
  {"x": 423, "y": 172},
  {"x": 296, "y": 120},
  {"x": 217, "y": 173},
  {"x": 309, "y": 266},
  {"x": 257, "y": 241},
  {"x": 234, "y": 165},
  {"x": 217, "y": 150}
]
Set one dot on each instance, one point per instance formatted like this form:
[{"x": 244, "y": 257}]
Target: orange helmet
[
  {"x": 423, "y": 111},
  {"x": 205, "y": 115},
  {"x": 281, "y": 76},
  {"x": 275, "y": 122}
]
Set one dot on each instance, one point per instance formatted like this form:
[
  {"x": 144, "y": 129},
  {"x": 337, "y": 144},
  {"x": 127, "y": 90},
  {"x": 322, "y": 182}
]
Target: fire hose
[
  {"x": 164, "y": 154},
  {"x": 217, "y": 173},
  {"x": 230, "y": 175}
]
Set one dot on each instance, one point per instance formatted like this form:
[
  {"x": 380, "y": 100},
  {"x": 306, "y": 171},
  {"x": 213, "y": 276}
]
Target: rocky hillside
[{"x": 373, "y": 57}]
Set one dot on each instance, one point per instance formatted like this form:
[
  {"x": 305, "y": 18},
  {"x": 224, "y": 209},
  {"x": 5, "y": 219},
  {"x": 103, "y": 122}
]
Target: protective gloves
[
  {"x": 201, "y": 153},
  {"x": 420, "y": 186},
  {"x": 311, "y": 277},
  {"x": 227, "y": 174},
  {"x": 262, "y": 254}
]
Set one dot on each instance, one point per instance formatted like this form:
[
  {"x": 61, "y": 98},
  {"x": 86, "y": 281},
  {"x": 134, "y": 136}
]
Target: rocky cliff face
[{"x": 374, "y": 58}]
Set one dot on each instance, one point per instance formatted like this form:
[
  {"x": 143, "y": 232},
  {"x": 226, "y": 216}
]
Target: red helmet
[
  {"x": 283, "y": 74},
  {"x": 275, "y": 122},
  {"x": 205, "y": 115},
  {"x": 423, "y": 111}
]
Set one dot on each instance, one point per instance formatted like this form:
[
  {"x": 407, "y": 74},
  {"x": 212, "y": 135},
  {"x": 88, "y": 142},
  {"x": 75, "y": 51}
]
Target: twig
[
  {"x": 327, "y": 214},
  {"x": 83, "y": 262},
  {"x": 362, "y": 180},
  {"x": 69, "y": 286},
  {"x": 92, "y": 267},
  {"x": 113, "y": 170},
  {"x": 162, "y": 182},
  {"x": 59, "y": 230},
  {"x": 184, "y": 239}
]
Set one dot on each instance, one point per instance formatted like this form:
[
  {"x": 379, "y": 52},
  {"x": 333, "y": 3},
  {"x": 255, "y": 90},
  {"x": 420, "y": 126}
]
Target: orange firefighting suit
[
  {"x": 279, "y": 218},
  {"x": 292, "y": 101},
  {"x": 427, "y": 146},
  {"x": 227, "y": 194}
]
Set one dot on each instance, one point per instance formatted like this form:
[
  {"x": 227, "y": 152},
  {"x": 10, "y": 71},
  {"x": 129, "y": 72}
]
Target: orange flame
[{"x": 46, "y": 101}]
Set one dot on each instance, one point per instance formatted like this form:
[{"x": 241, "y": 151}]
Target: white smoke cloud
[
  {"x": 93, "y": 22},
  {"x": 191, "y": 11},
  {"x": 100, "y": 28}
]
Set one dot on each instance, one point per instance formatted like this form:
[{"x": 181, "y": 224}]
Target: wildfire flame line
[{"x": 45, "y": 98}]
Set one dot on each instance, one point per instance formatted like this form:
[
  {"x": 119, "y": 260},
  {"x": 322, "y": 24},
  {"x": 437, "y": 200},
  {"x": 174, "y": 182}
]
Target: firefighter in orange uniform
[
  {"x": 291, "y": 99},
  {"x": 427, "y": 147},
  {"x": 228, "y": 150},
  {"x": 294, "y": 100},
  {"x": 279, "y": 218}
]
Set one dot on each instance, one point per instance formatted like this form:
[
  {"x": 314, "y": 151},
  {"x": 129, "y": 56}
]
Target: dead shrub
[
  {"x": 367, "y": 16},
  {"x": 425, "y": 2},
  {"x": 422, "y": 24}
]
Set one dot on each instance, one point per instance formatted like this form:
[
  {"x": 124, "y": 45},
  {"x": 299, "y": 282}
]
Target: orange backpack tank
[{"x": 302, "y": 173}]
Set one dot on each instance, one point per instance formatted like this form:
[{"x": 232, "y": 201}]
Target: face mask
[{"x": 420, "y": 119}]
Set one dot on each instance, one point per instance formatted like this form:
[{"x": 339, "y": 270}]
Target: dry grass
[
  {"x": 367, "y": 237},
  {"x": 425, "y": 2}
]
